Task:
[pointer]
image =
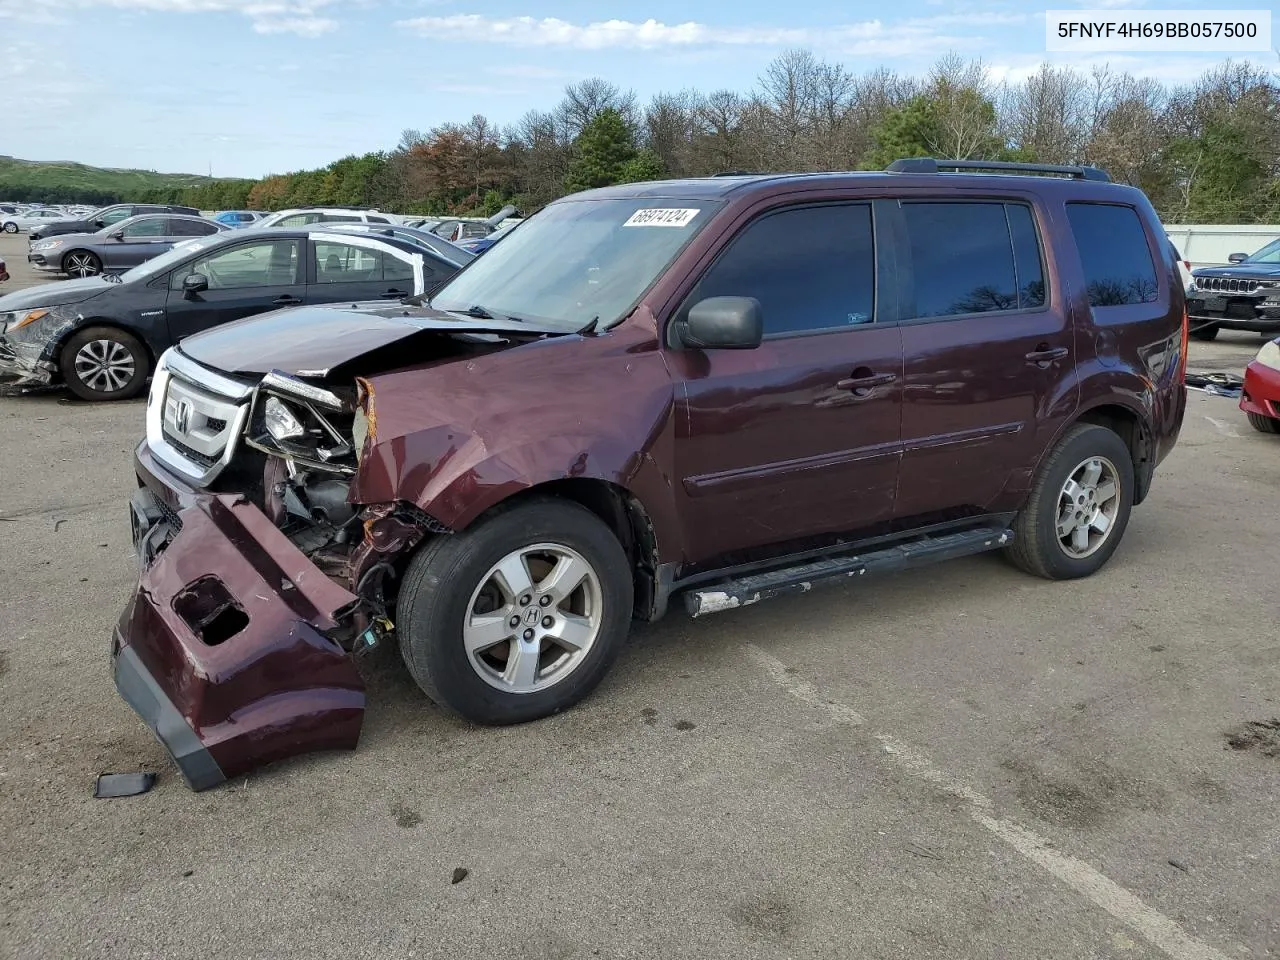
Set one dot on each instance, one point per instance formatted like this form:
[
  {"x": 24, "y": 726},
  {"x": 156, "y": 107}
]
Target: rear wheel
[
  {"x": 518, "y": 618},
  {"x": 1264, "y": 424},
  {"x": 81, "y": 263},
  {"x": 1207, "y": 331},
  {"x": 103, "y": 363},
  {"x": 1079, "y": 506}
]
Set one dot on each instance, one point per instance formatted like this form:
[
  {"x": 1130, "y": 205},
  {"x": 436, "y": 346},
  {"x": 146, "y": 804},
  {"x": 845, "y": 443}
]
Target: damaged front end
[{"x": 259, "y": 580}]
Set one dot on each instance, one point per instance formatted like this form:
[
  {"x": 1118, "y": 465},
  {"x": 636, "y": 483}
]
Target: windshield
[
  {"x": 578, "y": 260},
  {"x": 168, "y": 259},
  {"x": 1268, "y": 254}
]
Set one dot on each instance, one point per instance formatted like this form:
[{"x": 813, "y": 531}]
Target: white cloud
[
  {"x": 871, "y": 37},
  {"x": 302, "y": 26},
  {"x": 1169, "y": 69}
]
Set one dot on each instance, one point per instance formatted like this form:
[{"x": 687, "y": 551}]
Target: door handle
[
  {"x": 864, "y": 384},
  {"x": 285, "y": 301},
  {"x": 1043, "y": 354}
]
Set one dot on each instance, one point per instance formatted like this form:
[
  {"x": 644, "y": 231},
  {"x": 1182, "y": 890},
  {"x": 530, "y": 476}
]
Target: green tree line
[{"x": 1207, "y": 151}]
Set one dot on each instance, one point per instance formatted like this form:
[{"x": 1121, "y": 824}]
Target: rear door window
[
  {"x": 962, "y": 259},
  {"x": 1118, "y": 269}
]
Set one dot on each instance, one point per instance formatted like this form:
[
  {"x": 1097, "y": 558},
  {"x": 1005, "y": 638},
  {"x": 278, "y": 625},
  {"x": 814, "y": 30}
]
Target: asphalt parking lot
[{"x": 956, "y": 762}]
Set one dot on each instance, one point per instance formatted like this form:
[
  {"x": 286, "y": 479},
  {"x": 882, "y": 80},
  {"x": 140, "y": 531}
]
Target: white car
[
  {"x": 12, "y": 223},
  {"x": 310, "y": 215}
]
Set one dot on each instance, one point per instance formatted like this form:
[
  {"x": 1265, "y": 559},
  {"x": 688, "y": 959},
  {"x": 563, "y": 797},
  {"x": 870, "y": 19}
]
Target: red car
[{"x": 1261, "y": 397}]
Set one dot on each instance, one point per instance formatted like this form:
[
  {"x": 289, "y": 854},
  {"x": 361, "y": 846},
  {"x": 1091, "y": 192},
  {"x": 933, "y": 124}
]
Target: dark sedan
[
  {"x": 1245, "y": 295},
  {"x": 100, "y": 335},
  {"x": 119, "y": 246},
  {"x": 106, "y": 217}
]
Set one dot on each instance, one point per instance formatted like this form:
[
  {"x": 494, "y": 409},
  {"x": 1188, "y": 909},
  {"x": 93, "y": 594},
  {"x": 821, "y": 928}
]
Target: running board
[{"x": 801, "y": 578}]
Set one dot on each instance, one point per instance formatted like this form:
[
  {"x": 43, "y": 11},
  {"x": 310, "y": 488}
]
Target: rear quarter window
[{"x": 1114, "y": 254}]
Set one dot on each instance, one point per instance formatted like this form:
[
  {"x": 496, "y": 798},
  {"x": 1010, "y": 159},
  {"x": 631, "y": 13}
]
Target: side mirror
[
  {"x": 194, "y": 283},
  {"x": 100, "y": 224},
  {"x": 723, "y": 323},
  {"x": 1237, "y": 258},
  {"x": 117, "y": 235}
]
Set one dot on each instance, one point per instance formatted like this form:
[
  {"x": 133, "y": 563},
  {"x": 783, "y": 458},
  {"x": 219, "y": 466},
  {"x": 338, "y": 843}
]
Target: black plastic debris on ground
[
  {"x": 111, "y": 785},
  {"x": 1215, "y": 384}
]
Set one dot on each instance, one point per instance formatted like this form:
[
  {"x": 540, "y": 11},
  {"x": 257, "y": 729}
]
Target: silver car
[{"x": 118, "y": 246}]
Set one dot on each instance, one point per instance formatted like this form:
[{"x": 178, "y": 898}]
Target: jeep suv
[{"x": 720, "y": 389}]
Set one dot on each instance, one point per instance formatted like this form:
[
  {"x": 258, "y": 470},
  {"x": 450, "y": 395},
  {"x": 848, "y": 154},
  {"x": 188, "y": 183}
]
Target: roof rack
[{"x": 930, "y": 165}]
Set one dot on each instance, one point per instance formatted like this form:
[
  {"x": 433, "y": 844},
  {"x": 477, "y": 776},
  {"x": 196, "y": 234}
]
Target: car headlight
[
  {"x": 280, "y": 421},
  {"x": 1269, "y": 355},
  {"x": 22, "y": 318},
  {"x": 45, "y": 245}
]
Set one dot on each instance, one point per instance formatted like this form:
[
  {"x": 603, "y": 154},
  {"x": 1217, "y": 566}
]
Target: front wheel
[
  {"x": 11, "y": 227},
  {"x": 1079, "y": 506},
  {"x": 1264, "y": 424},
  {"x": 103, "y": 363},
  {"x": 519, "y": 617},
  {"x": 81, "y": 263}
]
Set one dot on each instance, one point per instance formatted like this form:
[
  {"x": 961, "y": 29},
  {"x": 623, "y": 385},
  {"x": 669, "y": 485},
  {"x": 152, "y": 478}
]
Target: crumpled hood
[
  {"x": 55, "y": 294},
  {"x": 311, "y": 341}
]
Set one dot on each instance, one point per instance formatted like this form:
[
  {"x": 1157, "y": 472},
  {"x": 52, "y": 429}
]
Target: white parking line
[
  {"x": 1153, "y": 926},
  {"x": 1224, "y": 428}
]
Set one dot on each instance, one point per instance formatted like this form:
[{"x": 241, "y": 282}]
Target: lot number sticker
[{"x": 661, "y": 217}]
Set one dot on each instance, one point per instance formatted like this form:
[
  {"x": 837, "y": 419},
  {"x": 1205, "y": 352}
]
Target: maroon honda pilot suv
[{"x": 719, "y": 389}]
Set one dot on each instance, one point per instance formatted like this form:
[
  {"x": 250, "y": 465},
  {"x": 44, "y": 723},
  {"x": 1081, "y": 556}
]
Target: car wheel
[
  {"x": 1079, "y": 506},
  {"x": 81, "y": 263},
  {"x": 1208, "y": 331},
  {"x": 103, "y": 363},
  {"x": 10, "y": 228},
  {"x": 1264, "y": 424},
  {"x": 519, "y": 617}
]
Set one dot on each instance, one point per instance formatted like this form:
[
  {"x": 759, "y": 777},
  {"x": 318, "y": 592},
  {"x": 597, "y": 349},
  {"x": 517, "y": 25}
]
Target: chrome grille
[
  {"x": 1226, "y": 284},
  {"x": 194, "y": 417}
]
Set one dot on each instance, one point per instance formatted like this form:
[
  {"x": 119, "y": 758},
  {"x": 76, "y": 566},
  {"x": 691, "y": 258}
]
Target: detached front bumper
[
  {"x": 224, "y": 648},
  {"x": 1261, "y": 394}
]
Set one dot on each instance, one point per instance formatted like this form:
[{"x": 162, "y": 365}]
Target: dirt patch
[
  {"x": 1081, "y": 794},
  {"x": 1260, "y": 735},
  {"x": 406, "y": 818}
]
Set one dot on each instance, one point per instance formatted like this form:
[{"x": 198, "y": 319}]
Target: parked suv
[
  {"x": 303, "y": 218},
  {"x": 107, "y": 216},
  {"x": 726, "y": 389},
  {"x": 1242, "y": 296}
]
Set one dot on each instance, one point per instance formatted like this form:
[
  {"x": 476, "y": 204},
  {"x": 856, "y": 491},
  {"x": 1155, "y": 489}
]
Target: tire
[
  {"x": 81, "y": 263},
  {"x": 1208, "y": 332},
  {"x": 1264, "y": 424},
  {"x": 452, "y": 581},
  {"x": 10, "y": 227},
  {"x": 1037, "y": 546},
  {"x": 104, "y": 363}
]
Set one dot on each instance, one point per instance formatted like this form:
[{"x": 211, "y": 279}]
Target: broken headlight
[{"x": 302, "y": 423}]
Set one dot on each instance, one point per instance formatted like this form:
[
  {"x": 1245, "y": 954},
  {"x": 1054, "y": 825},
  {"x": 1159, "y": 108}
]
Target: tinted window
[
  {"x": 373, "y": 219},
  {"x": 811, "y": 268},
  {"x": 115, "y": 216},
  {"x": 1027, "y": 260},
  {"x": 961, "y": 258},
  {"x": 267, "y": 263},
  {"x": 338, "y": 218},
  {"x": 1117, "y": 263},
  {"x": 191, "y": 228}
]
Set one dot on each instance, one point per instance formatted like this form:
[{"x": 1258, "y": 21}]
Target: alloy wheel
[
  {"x": 105, "y": 365},
  {"x": 1087, "y": 507},
  {"x": 534, "y": 618},
  {"x": 82, "y": 265}
]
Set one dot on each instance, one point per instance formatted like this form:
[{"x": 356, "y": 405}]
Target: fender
[{"x": 463, "y": 437}]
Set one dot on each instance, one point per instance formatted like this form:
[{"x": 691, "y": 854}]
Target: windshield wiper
[
  {"x": 589, "y": 330},
  {"x": 480, "y": 313}
]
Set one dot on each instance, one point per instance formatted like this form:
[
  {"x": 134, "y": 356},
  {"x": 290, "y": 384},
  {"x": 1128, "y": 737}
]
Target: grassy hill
[{"x": 66, "y": 182}]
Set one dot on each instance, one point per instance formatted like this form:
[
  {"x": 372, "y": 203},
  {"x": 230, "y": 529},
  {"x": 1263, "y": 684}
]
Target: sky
[{"x": 251, "y": 87}]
